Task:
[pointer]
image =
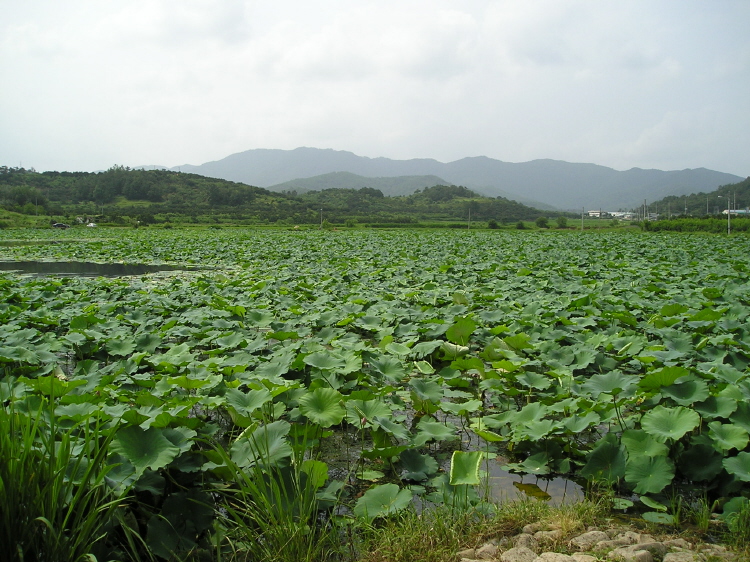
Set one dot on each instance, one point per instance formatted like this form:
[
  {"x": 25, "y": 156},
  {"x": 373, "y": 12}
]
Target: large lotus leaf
[
  {"x": 388, "y": 366},
  {"x": 428, "y": 430},
  {"x": 649, "y": 474},
  {"x": 655, "y": 380},
  {"x": 716, "y": 407},
  {"x": 741, "y": 416},
  {"x": 245, "y": 403},
  {"x": 606, "y": 463},
  {"x": 460, "y": 331},
  {"x": 357, "y": 410},
  {"x": 534, "y": 380},
  {"x": 382, "y": 500},
  {"x": 669, "y": 423},
  {"x": 700, "y": 463},
  {"x": 727, "y": 436},
  {"x": 397, "y": 349},
  {"x": 461, "y": 408},
  {"x": 687, "y": 392},
  {"x": 120, "y": 347},
  {"x": 535, "y": 464},
  {"x": 577, "y": 424},
  {"x": 426, "y": 390},
  {"x": 144, "y": 449},
  {"x": 325, "y": 361},
  {"x": 465, "y": 467},
  {"x": 739, "y": 466},
  {"x": 417, "y": 466},
  {"x": 728, "y": 373},
  {"x": 266, "y": 445},
  {"x": 637, "y": 442},
  {"x": 530, "y": 412},
  {"x": 613, "y": 382},
  {"x": 534, "y": 430},
  {"x": 323, "y": 406},
  {"x": 394, "y": 428}
]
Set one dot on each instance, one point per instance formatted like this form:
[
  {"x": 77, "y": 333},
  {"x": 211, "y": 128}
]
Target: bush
[
  {"x": 493, "y": 224},
  {"x": 562, "y": 222},
  {"x": 520, "y": 225},
  {"x": 542, "y": 222}
]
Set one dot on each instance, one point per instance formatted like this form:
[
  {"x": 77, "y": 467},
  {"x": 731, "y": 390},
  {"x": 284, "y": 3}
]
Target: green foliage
[
  {"x": 592, "y": 355},
  {"x": 562, "y": 222},
  {"x": 542, "y": 222},
  {"x": 56, "y": 503}
]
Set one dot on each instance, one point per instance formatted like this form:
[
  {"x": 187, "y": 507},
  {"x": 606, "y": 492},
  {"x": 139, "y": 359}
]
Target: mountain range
[{"x": 540, "y": 183}]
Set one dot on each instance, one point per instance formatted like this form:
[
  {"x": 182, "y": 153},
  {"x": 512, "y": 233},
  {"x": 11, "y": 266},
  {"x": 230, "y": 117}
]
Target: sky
[{"x": 88, "y": 84}]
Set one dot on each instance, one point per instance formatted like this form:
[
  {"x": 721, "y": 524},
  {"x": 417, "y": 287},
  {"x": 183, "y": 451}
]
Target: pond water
[
  {"x": 507, "y": 486},
  {"x": 86, "y": 269}
]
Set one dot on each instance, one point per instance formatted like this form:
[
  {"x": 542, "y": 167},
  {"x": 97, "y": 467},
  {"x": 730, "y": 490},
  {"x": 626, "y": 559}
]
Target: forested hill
[{"x": 122, "y": 192}]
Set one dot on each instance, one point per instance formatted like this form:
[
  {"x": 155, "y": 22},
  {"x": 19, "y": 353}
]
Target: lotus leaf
[
  {"x": 144, "y": 449},
  {"x": 465, "y": 468},
  {"x": 323, "y": 406},
  {"x": 649, "y": 474},
  {"x": 727, "y": 436},
  {"x": 669, "y": 423},
  {"x": 382, "y": 500}
]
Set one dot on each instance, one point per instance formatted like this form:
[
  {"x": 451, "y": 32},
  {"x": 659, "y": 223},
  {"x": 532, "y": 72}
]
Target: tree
[
  {"x": 542, "y": 222},
  {"x": 562, "y": 222}
]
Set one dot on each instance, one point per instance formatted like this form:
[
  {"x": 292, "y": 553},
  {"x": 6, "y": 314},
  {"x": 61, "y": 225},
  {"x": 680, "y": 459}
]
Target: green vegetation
[
  {"x": 123, "y": 196},
  {"x": 302, "y": 393}
]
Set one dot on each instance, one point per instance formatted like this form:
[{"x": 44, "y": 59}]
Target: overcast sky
[{"x": 651, "y": 84}]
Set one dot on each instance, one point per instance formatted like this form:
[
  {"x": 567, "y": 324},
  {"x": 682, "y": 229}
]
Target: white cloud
[{"x": 178, "y": 81}]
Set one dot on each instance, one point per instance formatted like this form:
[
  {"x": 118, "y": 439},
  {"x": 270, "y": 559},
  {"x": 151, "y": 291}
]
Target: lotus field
[{"x": 358, "y": 371}]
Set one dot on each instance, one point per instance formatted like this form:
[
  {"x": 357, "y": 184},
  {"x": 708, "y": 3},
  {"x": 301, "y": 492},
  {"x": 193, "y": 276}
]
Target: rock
[
  {"x": 518, "y": 554},
  {"x": 626, "y": 554},
  {"x": 678, "y": 543},
  {"x": 527, "y": 541},
  {"x": 554, "y": 557},
  {"x": 532, "y": 528},
  {"x": 587, "y": 541},
  {"x": 548, "y": 536},
  {"x": 467, "y": 553},
  {"x": 685, "y": 556},
  {"x": 487, "y": 552},
  {"x": 578, "y": 557}
]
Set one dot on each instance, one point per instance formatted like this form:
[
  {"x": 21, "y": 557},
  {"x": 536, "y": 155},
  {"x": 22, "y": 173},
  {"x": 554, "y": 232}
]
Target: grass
[{"x": 55, "y": 502}]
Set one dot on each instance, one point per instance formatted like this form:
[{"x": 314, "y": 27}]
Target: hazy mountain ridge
[
  {"x": 390, "y": 186},
  {"x": 564, "y": 185}
]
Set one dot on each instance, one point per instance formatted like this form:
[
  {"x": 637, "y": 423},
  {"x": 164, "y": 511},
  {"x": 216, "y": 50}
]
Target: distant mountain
[
  {"x": 563, "y": 185},
  {"x": 393, "y": 186}
]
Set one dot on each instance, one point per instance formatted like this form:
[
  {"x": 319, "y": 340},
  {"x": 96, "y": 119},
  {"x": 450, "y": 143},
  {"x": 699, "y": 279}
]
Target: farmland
[{"x": 617, "y": 359}]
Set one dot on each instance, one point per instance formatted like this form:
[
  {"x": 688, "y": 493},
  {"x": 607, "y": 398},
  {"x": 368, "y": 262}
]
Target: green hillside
[{"x": 123, "y": 195}]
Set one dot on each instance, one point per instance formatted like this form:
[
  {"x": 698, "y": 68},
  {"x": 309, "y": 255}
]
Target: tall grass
[
  {"x": 55, "y": 503},
  {"x": 273, "y": 514}
]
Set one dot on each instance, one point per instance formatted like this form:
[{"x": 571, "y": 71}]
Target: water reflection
[
  {"x": 85, "y": 269},
  {"x": 506, "y": 486}
]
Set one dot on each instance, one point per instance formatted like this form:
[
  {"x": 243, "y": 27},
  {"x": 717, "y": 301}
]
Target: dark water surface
[{"x": 86, "y": 269}]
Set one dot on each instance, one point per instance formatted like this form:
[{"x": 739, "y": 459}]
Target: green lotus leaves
[
  {"x": 669, "y": 423},
  {"x": 266, "y": 445},
  {"x": 687, "y": 392},
  {"x": 606, "y": 463},
  {"x": 380, "y": 501},
  {"x": 716, "y": 407},
  {"x": 460, "y": 331},
  {"x": 650, "y": 475},
  {"x": 659, "y": 378},
  {"x": 325, "y": 361},
  {"x": 416, "y": 466},
  {"x": 144, "y": 449},
  {"x": 640, "y": 443},
  {"x": 738, "y": 466},
  {"x": 700, "y": 462},
  {"x": 614, "y": 382},
  {"x": 465, "y": 467},
  {"x": 323, "y": 406},
  {"x": 727, "y": 436}
]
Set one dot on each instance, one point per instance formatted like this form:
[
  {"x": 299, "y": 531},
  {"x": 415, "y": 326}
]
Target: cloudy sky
[{"x": 87, "y": 84}]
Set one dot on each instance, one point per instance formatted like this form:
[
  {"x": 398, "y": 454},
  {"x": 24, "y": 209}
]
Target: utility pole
[{"x": 583, "y": 210}]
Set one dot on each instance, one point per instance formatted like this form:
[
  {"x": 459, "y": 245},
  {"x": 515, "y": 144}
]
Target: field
[{"x": 352, "y": 372}]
